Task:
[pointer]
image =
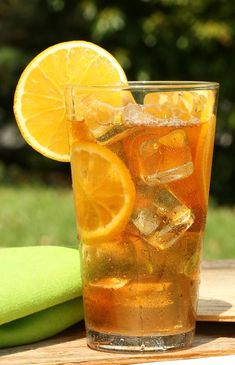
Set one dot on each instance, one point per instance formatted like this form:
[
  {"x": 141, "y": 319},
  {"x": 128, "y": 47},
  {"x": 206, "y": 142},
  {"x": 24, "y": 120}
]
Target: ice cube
[
  {"x": 133, "y": 114},
  {"x": 145, "y": 220},
  {"x": 168, "y": 205},
  {"x": 113, "y": 283},
  {"x": 172, "y": 108},
  {"x": 154, "y": 115},
  {"x": 170, "y": 232},
  {"x": 165, "y": 159},
  {"x": 113, "y": 134},
  {"x": 175, "y": 109},
  {"x": 96, "y": 112},
  {"x": 104, "y": 121},
  {"x": 162, "y": 219}
]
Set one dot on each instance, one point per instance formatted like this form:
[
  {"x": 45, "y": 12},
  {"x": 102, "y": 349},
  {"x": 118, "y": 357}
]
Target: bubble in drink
[
  {"x": 162, "y": 219},
  {"x": 170, "y": 158}
]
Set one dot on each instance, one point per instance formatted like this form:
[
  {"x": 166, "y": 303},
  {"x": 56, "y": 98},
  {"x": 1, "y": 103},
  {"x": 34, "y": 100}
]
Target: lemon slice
[
  {"x": 104, "y": 192},
  {"x": 39, "y": 104}
]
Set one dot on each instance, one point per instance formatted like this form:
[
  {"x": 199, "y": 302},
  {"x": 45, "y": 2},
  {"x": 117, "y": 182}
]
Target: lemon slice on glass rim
[{"x": 39, "y": 104}]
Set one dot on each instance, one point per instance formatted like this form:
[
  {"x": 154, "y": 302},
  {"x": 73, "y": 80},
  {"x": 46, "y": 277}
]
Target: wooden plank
[
  {"x": 217, "y": 291},
  {"x": 212, "y": 339}
]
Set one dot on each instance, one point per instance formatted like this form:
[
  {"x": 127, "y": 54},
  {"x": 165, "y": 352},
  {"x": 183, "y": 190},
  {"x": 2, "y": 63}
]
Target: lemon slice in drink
[
  {"x": 104, "y": 192},
  {"x": 39, "y": 105}
]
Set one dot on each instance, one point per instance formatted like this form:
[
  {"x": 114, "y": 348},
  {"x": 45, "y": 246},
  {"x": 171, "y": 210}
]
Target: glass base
[{"x": 116, "y": 343}]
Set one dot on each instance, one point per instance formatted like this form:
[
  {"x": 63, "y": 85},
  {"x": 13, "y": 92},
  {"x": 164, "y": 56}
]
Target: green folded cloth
[
  {"x": 41, "y": 325},
  {"x": 40, "y": 290}
]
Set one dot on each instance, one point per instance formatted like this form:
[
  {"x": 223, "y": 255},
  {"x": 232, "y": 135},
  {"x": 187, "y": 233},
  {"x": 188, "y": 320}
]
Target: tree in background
[{"x": 152, "y": 39}]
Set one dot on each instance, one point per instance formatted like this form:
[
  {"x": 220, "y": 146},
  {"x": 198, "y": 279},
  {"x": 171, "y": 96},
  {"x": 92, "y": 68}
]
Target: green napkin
[
  {"x": 39, "y": 290},
  {"x": 41, "y": 325}
]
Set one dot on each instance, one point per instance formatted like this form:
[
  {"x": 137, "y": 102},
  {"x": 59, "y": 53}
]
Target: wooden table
[
  {"x": 217, "y": 291},
  {"x": 217, "y": 304}
]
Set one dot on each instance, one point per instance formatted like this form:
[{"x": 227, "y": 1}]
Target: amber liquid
[
  {"x": 160, "y": 296},
  {"x": 134, "y": 288}
]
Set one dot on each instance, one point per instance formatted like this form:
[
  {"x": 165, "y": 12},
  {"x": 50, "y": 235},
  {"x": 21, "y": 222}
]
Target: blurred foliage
[{"x": 152, "y": 39}]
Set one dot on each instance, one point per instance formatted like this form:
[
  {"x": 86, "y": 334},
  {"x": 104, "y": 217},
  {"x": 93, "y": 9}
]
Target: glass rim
[{"x": 149, "y": 85}]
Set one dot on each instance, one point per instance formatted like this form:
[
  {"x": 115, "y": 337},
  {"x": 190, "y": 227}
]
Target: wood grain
[
  {"x": 217, "y": 291},
  {"x": 212, "y": 338}
]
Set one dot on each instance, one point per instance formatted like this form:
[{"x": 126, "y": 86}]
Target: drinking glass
[{"x": 141, "y": 159}]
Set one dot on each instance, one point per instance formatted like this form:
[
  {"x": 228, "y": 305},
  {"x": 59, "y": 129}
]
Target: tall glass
[{"x": 141, "y": 162}]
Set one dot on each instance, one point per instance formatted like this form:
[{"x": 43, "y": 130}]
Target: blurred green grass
[
  {"x": 40, "y": 215},
  {"x": 36, "y": 215}
]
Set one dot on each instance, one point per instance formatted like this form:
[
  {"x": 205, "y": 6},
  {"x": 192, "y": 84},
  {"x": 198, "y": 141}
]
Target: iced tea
[{"x": 141, "y": 161}]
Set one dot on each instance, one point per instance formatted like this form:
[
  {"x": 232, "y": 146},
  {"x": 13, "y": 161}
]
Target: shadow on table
[
  {"x": 215, "y": 329},
  {"x": 208, "y": 326},
  {"x": 211, "y": 309}
]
